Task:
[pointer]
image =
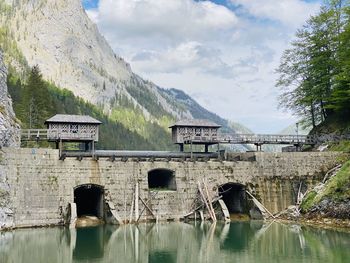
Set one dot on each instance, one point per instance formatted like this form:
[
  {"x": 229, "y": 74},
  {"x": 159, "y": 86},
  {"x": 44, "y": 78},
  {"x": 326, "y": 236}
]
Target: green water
[{"x": 176, "y": 242}]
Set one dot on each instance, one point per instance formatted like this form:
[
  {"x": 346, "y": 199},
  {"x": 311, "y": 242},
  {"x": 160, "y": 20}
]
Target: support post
[
  {"x": 206, "y": 148},
  {"x": 60, "y": 148},
  {"x": 181, "y": 147}
]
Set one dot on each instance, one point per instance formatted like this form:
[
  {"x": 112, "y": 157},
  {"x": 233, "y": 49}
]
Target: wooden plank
[
  {"x": 145, "y": 205},
  {"x": 205, "y": 200},
  {"x": 115, "y": 213},
  {"x": 261, "y": 207},
  {"x": 225, "y": 211},
  {"x": 209, "y": 200},
  {"x": 149, "y": 209},
  {"x": 136, "y": 201}
]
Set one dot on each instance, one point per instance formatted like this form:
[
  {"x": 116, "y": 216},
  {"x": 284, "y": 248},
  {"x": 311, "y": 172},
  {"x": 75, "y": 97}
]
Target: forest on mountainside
[
  {"x": 314, "y": 73},
  {"x": 36, "y": 100}
]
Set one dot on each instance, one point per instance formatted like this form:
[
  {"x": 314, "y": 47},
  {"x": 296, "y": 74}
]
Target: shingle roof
[
  {"x": 195, "y": 123},
  {"x": 65, "y": 118}
]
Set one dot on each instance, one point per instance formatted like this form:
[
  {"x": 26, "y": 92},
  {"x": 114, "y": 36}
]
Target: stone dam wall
[{"x": 41, "y": 186}]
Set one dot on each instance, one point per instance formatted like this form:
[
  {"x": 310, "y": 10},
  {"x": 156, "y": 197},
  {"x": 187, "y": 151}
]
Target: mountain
[{"x": 59, "y": 37}]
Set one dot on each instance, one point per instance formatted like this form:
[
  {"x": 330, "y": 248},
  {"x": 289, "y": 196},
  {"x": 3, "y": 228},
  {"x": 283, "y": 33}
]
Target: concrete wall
[{"x": 42, "y": 186}]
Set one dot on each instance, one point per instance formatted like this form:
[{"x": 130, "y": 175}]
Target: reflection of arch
[
  {"x": 162, "y": 179},
  {"x": 89, "y": 200},
  {"x": 234, "y": 196}
]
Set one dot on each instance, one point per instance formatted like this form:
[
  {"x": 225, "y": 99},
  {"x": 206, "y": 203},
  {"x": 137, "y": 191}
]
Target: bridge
[{"x": 256, "y": 139}]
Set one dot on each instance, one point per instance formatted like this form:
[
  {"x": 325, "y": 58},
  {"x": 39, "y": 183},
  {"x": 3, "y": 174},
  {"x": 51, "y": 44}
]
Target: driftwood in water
[
  {"x": 114, "y": 213},
  {"x": 209, "y": 200},
  {"x": 146, "y": 206},
  {"x": 261, "y": 207},
  {"x": 224, "y": 210},
  {"x": 199, "y": 207}
]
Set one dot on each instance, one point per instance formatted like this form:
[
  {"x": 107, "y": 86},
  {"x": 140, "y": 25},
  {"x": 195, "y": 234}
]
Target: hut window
[
  {"x": 83, "y": 128},
  {"x": 182, "y": 131},
  {"x": 54, "y": 126},
  {"x": 198, "y": 132},
  {"x": 214, "y": 132},
  {"x": 74, "y": 128},
  {"x": 161, "y": 179},
  {"x": 93, "y": 130},
  {"x": 65, "y": 128},
  {"x": 206, "y": 132}
]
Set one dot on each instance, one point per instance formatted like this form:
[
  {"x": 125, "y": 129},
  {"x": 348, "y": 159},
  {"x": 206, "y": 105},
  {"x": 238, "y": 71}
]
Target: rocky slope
[
  {"x": 331, "y": 198},
  {"x": 8, "y": 137},
  {"x": 60, "y": 38},
  {"x": 8, "y": 126}
]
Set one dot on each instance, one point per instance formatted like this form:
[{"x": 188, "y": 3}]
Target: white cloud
[
  {"x": 187, "y": 55},
  {"x": 173, "y": 20},
  {"x": 290, "y": 12},
  {"x": 223, "y": 58}
]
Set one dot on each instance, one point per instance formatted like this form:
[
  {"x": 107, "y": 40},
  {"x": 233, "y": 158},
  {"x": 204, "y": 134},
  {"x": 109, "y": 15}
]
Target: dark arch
[
  {"x": 235, "y": 198},
  {"x": 162, "y": 179},
  {"x": 89, "y": 199}
]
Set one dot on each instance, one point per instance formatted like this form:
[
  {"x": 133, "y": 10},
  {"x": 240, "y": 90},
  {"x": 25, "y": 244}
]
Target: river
[{"x": 252, "y": 241}]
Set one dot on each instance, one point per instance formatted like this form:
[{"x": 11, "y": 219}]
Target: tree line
[
  {"x": 35, "y": 100},
  {"x": 314, "y": 73}
]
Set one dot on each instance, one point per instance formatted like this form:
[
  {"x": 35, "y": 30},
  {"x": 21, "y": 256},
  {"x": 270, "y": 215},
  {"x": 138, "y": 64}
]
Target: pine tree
[{"x": 36, "y": 105}]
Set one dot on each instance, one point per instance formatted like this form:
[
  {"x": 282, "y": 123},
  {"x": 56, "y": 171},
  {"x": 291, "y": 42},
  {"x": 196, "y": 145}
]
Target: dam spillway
[{"x": 40, "y": 187}]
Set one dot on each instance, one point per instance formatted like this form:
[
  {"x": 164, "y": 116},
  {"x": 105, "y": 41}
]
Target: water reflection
[{"x": 176, "y": 242}]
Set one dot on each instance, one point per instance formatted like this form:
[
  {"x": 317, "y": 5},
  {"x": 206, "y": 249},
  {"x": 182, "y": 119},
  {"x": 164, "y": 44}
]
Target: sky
[{"x": 223, "y": 53}]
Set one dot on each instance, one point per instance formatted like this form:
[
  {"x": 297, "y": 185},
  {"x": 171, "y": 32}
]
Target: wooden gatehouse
[
  {"x": 73, "y": 128},
  {"x": 195, "y": 131}
]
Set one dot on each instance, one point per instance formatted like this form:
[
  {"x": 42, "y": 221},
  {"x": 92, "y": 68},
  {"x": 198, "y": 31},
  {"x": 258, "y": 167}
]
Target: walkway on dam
[{"x": 257, "y": 139}]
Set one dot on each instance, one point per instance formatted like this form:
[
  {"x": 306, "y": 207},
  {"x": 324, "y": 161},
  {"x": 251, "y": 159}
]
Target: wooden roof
[
  {"x": 195, "y": 123},
  {"x": 65, "y": 118}
]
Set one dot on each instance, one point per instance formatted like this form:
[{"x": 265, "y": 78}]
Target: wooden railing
[
  {"x": 35, "y": 134},
  {"x": 252, "y": 139}
]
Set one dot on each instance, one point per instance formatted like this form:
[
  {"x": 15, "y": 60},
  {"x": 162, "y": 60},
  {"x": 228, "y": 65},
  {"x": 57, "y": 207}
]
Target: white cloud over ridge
[
  {"x": 289, "y": 12},
  {"x": 225, "y": 58},
  {"x": 168, "y": 19}
]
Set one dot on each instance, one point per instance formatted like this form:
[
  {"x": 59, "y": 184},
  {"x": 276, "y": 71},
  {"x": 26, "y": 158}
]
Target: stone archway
[
  {"x": 162, "y": 179},
  {"x": 89, "y": 199},
  {"x": 234, "y": 196}
]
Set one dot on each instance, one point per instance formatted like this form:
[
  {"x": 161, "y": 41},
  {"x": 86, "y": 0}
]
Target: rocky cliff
[
  {"x": 8, "y": 137},
  {"x": 8, "y": 126},
  {"x": 60, "y": 38}
]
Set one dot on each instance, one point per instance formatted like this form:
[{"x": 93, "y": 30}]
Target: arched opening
[
  {"x": 235, "y": 198},
  {"x": 89, "y": 200},
  {"x": 161, "y": 179}
]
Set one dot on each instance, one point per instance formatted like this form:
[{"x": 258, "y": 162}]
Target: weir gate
[{"x": 41, "y": 189}]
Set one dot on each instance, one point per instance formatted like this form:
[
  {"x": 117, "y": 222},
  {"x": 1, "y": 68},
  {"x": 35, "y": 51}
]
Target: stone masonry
[{"x": 42, "y": 186}]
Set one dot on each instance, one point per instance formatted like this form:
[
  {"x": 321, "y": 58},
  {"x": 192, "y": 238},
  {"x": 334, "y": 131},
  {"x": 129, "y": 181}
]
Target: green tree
[
  {"x": 309, "y": 70},
  {"x": 340, "y": 98},
  {"x": 36, "y": 105}
]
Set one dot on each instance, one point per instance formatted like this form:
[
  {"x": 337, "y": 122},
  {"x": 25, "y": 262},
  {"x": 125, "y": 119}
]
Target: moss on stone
[
  {"x": 308, "y": 201},
  {"x": 336, "y": 189}
]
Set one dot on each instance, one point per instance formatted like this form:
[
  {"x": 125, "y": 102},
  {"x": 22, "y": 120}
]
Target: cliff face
[
  {"x": 59, "y": 37},
  {"x": 9, "y": 136},
  {"x": 9, "y": 129}
]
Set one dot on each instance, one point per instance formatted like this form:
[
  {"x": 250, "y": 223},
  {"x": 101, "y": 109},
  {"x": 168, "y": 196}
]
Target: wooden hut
[
  {"x": 73, "y": 128},
  {"x": 195, "y": 131}
]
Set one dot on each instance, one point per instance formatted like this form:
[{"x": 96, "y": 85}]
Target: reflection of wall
[
  {"x": 176, "y": 242},
  {"x": 42, "y": 185}
]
